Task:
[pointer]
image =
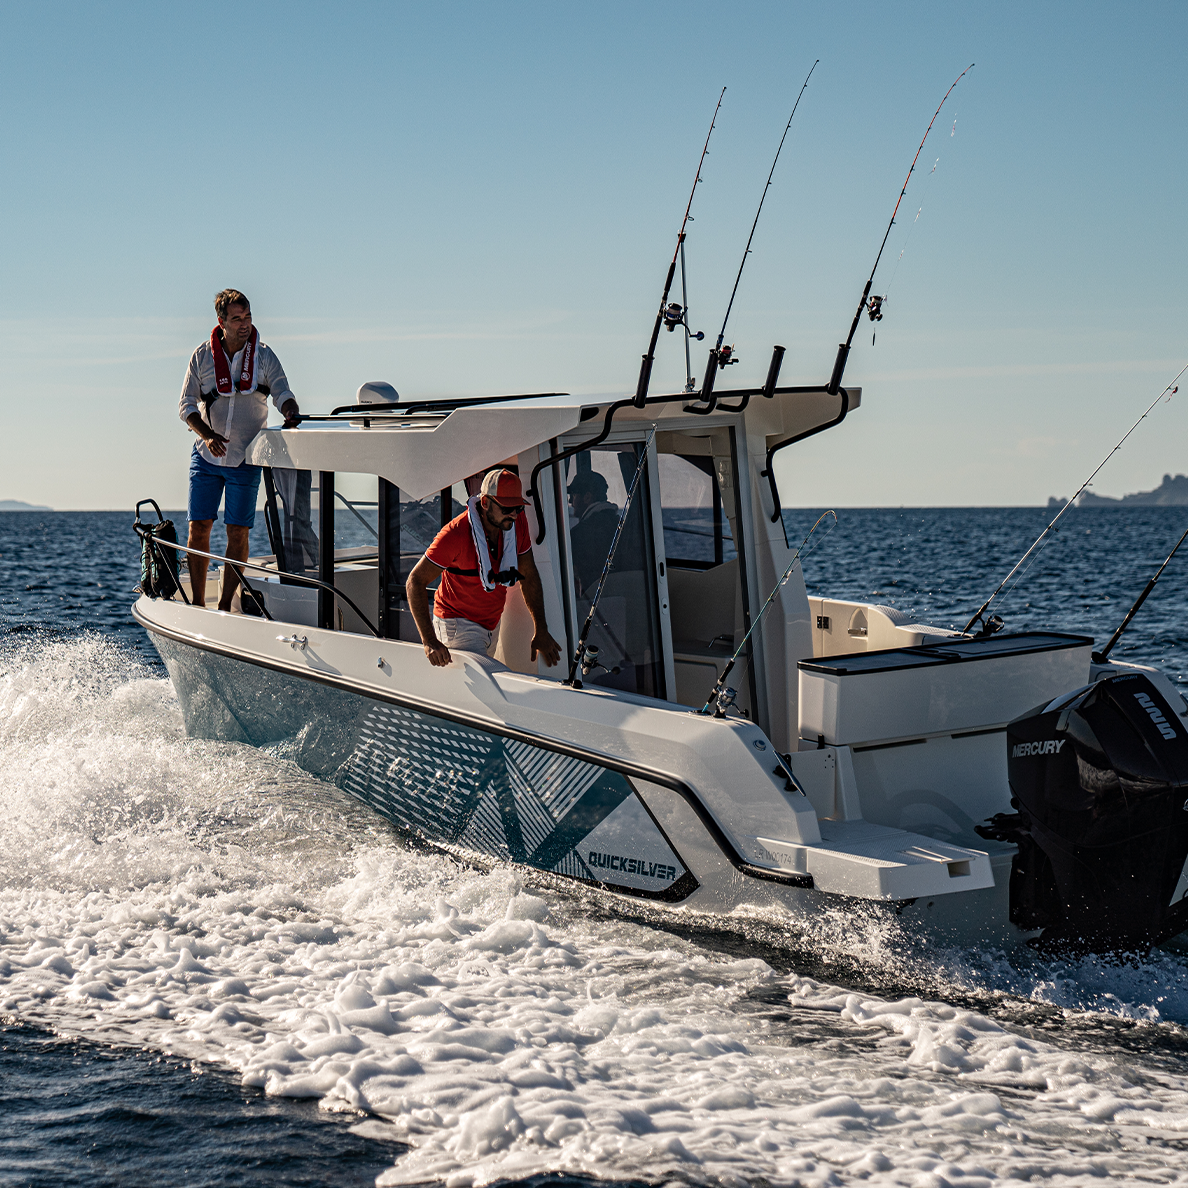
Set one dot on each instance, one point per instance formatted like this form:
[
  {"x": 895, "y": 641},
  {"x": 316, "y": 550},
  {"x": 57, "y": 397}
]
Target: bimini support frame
[
  {"x": 743, "y": 395},
  {"x": 768, "y": 471}
]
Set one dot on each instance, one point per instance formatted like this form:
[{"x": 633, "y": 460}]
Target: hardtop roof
[{"x": 421, "y": 446}]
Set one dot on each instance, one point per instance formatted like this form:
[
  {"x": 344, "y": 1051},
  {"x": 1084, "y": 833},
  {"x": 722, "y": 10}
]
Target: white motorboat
[{"x": 860, "y": 756}]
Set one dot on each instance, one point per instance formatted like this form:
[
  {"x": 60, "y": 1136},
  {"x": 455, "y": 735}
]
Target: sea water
[{"x": 216, "y": 969}]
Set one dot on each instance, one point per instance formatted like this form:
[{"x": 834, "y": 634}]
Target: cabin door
[
  {"x": 627, "y": 627},
  {"x": 706, "y": 577}
]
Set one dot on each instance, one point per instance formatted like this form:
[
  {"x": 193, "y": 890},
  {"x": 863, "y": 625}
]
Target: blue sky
[{"x": 464, "y": 198}]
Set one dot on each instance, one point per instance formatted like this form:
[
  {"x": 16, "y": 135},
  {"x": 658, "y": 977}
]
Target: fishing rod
[
  {"x": 719, "y": 693},
  {"x": 666, "y": 312},
  {"x": 1100, "y": 657},
  {"x": 988, "y": 629},
  {"x": 719, "y": 355},
  {"x": 843, "y": 350},
  {"x": 587, "y": 657},
  {"x": 877, "y": 302}
]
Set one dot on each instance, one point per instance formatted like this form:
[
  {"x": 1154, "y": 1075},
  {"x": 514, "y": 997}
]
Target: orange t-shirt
[{"x": 461, "y": 597}]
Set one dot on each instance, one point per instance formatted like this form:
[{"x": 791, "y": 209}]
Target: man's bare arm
[
  {"x": 533, "y": 590},
  {"x": 215, "y": 442},
  {"x": 416, "y": 589}
]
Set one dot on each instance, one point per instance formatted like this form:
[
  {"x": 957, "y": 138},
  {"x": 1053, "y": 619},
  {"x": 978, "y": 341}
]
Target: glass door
[
  {"x": 626, "y": 626},
  {"x": 706, "y": 583}
]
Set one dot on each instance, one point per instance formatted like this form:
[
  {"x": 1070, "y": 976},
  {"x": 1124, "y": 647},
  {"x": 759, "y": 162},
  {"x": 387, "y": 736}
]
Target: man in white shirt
[{"x": 224, "y": 400}]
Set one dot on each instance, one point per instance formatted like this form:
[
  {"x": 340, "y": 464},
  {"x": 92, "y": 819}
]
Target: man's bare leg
[
  {"x": 237, "y": 550},
  {"x": 199, "y": 539}
]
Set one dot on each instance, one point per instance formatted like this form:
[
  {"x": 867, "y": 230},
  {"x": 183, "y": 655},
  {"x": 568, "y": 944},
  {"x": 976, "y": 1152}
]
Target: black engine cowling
[{"x": 1100, "y": 779}]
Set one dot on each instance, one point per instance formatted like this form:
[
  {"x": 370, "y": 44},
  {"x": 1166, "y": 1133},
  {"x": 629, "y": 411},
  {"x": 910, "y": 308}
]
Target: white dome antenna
[{"x": 377, "y": 392}]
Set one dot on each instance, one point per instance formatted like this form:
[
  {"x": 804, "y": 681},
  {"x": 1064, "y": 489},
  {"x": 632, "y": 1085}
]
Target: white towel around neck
[{"x": 486, "y": 566}]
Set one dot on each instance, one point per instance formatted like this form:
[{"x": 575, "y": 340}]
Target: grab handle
[{"x": 160, "y": 518}]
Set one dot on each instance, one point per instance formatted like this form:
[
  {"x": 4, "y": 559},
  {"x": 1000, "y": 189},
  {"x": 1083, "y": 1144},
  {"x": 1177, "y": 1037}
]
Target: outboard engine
[{"x": 1100, "y": 779}]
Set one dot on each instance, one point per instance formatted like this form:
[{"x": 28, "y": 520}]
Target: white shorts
[{"x": 464, "y": 636}]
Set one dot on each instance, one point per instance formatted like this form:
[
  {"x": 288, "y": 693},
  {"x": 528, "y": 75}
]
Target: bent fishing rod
[
  {"x": 720, "y": 356},
  {"x": 645, "y": 370},
  {"x": 843, "y": 350},
  {"x": 587, "y": 657},
  {"x": 719, "y": 694},
  {"x": 1100, "y": 657},
  {"x": 1169, "y": 391}
]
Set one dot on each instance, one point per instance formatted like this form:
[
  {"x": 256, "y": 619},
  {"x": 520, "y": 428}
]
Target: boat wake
[{"x": 213, "y": 901}]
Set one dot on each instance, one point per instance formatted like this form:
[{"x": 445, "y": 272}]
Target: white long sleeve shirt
[{"x": 240, "y": 416}]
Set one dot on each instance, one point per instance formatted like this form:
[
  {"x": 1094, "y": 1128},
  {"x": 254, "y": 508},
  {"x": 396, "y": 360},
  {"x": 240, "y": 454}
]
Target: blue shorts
[{"x": 207, "y": 482}]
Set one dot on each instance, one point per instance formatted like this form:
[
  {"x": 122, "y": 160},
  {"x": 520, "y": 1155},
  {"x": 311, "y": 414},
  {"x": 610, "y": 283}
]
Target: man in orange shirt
[{"x": 476, "y": 556}]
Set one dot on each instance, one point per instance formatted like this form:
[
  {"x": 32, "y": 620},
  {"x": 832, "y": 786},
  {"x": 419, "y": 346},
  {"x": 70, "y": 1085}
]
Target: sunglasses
[{"x": 507, "y": 511}]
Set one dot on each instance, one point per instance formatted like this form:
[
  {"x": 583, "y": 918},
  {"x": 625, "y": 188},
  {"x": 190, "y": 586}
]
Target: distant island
[
  {"x": 1172, "y": 492},
  {"x": 19, "y": 505}
]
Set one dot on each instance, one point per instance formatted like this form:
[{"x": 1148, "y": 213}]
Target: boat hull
[
  {"x": 504, "y": 797},
  {"x": 471, "y": 789}
]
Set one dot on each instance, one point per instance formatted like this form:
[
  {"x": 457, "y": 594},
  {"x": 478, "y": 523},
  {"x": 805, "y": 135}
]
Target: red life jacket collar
[{"x": 247, "y": 373}]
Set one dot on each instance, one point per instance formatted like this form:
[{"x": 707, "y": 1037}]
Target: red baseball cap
[{"x": 504, "y": 487}]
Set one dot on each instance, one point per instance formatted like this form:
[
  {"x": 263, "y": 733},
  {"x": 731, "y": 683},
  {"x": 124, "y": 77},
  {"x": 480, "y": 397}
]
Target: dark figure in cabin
[
  {"x": 595, "y": 529},
  {"x": 224, "y": 400}
]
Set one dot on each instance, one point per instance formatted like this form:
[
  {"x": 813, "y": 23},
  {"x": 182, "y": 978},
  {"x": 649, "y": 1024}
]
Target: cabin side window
[
  {"x": 378, "y": 534},
  {"x": 291, "y": 515},
  {"x": 697, "y": 532},
  {"x": 407, "y": 528},
  {"x": 325, "y": 526}
]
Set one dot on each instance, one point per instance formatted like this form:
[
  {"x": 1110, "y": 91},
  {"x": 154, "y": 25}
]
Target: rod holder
[
  {"x": 706, "y": 394},
  {"x": 645, "y": 378},
  {"x": 773, "y": 372},
  {"x": 839, "y": 368}
]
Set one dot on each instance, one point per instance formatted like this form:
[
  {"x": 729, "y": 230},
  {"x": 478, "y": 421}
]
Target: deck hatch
[{"x": 946, "y": 651}]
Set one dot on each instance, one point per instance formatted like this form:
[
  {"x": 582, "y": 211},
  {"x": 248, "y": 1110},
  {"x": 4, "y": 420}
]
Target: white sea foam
[{"x": 211, "y": 900}]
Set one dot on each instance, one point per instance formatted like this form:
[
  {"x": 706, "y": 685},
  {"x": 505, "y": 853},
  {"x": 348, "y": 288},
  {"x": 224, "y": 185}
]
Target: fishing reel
[
  {"x": 587, "y": 662},
  {"x": 724, "y": 700},
  {"x": 874, "y": 308},
  {"x": 990, "y": 626},
  {"x": 674, "y": 316},
  {"x": 726, "y": 356}
]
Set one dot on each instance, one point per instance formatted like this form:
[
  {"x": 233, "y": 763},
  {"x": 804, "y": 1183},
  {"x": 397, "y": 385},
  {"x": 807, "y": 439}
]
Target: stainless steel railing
[{"x": 300, "y": 579}]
